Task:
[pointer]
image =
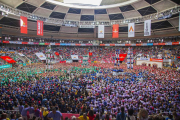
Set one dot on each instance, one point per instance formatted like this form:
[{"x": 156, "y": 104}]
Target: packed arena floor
[{"x": 143, "y": 92}]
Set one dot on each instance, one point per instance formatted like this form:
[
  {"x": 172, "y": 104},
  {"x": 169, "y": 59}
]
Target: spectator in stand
[{"x": 56, "y": 115}]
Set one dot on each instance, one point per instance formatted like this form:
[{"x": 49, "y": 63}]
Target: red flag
[
  {"x": 115, "y": 33},
  {"x": 122, "y": 56},
  {"x": 56, "y": 53},
  {"x": 23, "y": 24},
  {"x": 39, "y": 27},
  {"x": 90, "y": 53},
  {"x": 8, "y": 59}
]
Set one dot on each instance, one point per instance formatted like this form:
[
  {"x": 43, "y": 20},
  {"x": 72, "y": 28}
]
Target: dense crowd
[{"x": 71, "y": 88}]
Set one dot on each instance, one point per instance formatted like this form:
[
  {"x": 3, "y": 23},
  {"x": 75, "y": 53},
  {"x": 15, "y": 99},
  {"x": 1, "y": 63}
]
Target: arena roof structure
[{"x": 107, "y": 13}]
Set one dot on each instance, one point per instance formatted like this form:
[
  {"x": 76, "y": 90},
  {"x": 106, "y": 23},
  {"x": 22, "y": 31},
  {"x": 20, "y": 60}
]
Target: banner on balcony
[
  {"x": 100, "y": 31},
  {"x": 131, "y": 30},
  {"x": 39, "y": 27},
  {"x": 23, "y": 24},
  {"x": 115, "y": 33},
  {"x": 147, "y": 28}
]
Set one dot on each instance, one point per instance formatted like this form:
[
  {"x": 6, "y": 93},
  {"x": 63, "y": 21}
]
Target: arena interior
[{"x": 90, "y": 59}]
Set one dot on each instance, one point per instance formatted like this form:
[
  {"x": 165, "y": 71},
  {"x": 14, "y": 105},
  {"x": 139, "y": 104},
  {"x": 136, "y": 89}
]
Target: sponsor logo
[
  {"x": 23, "y": 23},
  {"x": 41, "y": 56},
  {"x": 115, "y": 31},
  {"x": 131, "y": 29},
  {"x": 8, "y": 59},
  {"x": 101, "y": 32}
]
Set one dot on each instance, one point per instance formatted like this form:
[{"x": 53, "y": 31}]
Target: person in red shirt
[{"x": 91, "y": 115}]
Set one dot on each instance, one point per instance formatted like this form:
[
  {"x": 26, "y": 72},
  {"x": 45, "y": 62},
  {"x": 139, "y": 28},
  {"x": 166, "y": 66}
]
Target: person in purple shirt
[
  {"x": 20, "y": 107},
  {"x": 36, "y": 112},
  {"x": 31, "y": 111},
  {"x": 24, "y": 112},
  {"x": 56, "y": 115}
]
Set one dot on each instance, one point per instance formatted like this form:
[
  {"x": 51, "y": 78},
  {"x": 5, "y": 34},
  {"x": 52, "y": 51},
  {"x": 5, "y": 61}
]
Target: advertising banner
[
  {"x": 156, "y": 60},
  {"x": 39, "y": 27},
  {"x": 100, "y": 31},
  {"x": 23, "y": 24},
  {"x": 115, "y": 33},
  {"x": 147, "y": 27},
  {"x": 131, "y": 30}
]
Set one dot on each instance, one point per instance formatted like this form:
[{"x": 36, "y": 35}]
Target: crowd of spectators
[
  {"x": 70, "y": 88},
  {"x": 100, "y": 53}
]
